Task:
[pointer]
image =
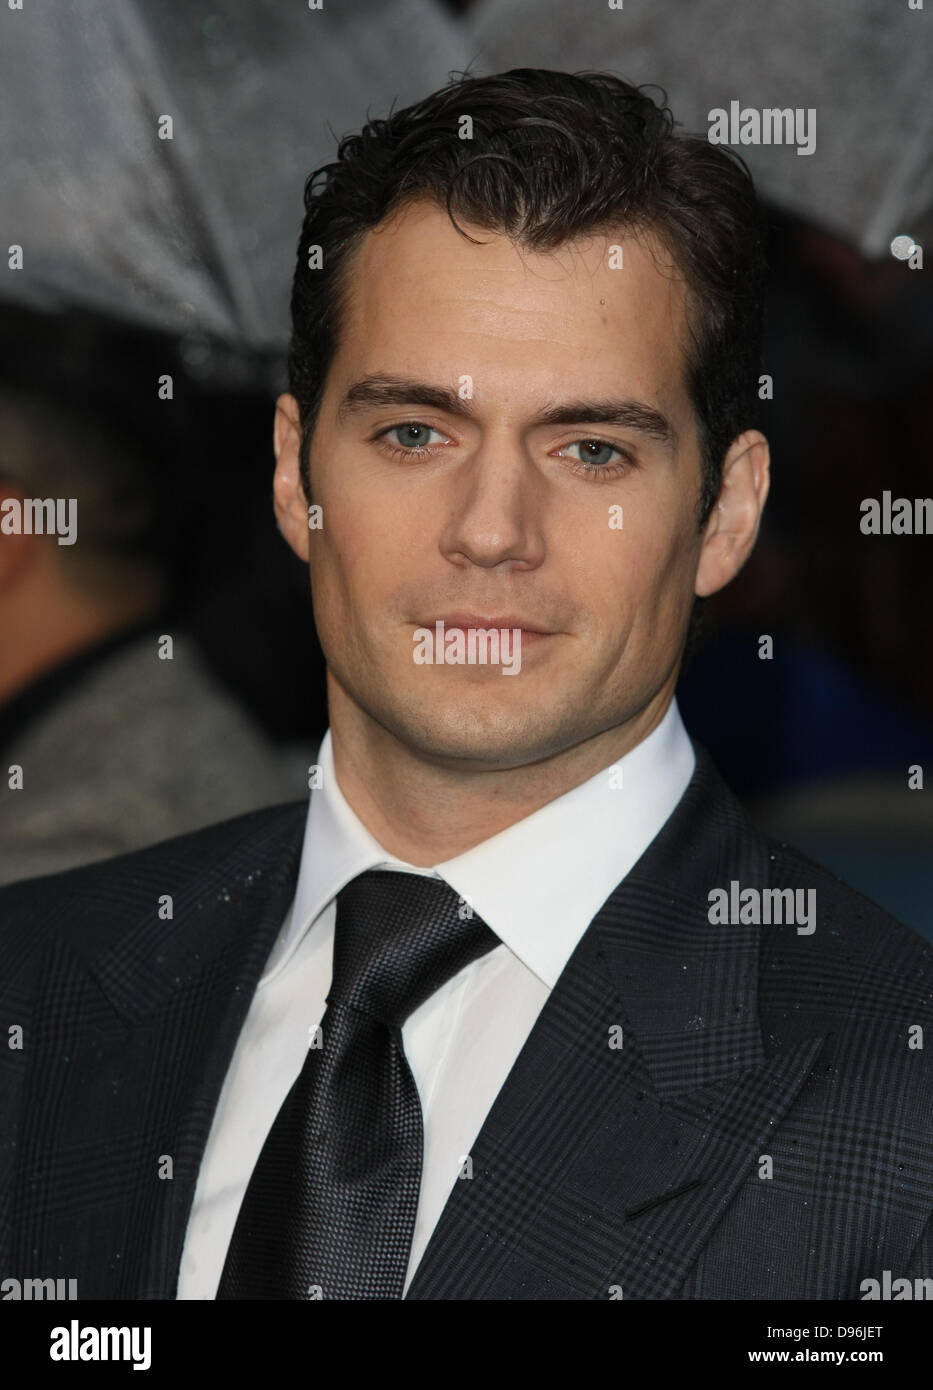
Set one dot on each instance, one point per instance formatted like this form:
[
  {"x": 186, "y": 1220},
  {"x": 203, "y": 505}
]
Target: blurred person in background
[{"x": 110, "y": 737}]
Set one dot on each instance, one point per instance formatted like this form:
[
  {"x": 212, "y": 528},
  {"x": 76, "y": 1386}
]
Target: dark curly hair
[{"x": 553, "y": 156}]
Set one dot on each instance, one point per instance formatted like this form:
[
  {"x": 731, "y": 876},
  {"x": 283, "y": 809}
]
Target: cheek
[
  {"x": 340, "y": 547},
  {"x": 358, "y": 558},
  {"x": 649, "y": 571},
  {"x": 331, "y": 577},
  {"x": 637, "y": 559}
]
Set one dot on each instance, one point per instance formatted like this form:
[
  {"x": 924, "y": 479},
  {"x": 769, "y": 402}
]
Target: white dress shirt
[{"x": 537, "y": 884}]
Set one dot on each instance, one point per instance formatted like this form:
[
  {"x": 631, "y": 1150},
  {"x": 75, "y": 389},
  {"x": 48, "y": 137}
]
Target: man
[{"x": 520, "y": 1006}]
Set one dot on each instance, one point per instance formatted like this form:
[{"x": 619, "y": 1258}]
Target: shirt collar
[{"x": 538, "y": 883}]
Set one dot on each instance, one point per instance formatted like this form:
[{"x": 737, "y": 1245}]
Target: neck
[{"x": 425, "y": 812}]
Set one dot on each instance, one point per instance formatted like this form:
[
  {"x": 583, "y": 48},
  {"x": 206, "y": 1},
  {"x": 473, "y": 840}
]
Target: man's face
[{"x": 596, "y": 544}]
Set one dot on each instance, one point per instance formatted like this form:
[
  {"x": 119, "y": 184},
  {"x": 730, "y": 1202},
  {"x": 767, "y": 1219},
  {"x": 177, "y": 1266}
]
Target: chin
[{"x": 482, "y": 735}]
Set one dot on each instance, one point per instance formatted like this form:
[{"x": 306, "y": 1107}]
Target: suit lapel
[{"x": 601, "y": 1171}]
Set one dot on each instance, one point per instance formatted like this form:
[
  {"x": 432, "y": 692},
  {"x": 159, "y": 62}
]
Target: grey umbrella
[
  {"x": 864, "y": 68},
  {"x": 196, "y": 234}
]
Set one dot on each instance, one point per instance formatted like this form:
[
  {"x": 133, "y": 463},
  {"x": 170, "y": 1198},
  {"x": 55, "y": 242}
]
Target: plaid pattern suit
[{"x": 601, "y": 1171}]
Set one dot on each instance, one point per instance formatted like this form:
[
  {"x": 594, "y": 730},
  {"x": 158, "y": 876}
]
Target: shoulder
[
  {"x": 831, "y": 961},
  {"x": 81, "y": 904},
  {"x": 845, "y": 926},
  {"x": 863, "y": 982},
  {"x": 841, "y": 968},
  {"x": 848, "y": 929}
]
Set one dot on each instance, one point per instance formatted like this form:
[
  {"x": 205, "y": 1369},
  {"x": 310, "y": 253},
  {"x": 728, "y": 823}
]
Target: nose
[{"x": 496, "y": 505}]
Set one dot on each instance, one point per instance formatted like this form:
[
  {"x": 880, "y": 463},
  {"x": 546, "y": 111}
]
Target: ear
[
  {"x": 732, "y": 528},
  {"x": 291, "y": 505}
]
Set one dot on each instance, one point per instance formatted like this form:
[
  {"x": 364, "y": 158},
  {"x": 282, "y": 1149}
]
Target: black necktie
[{"x": 330, "y": 1208}]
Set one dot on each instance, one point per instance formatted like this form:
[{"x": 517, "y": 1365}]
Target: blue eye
[
  {"x": 418, "y": 446},
  {"x": 590, "y": 460}
]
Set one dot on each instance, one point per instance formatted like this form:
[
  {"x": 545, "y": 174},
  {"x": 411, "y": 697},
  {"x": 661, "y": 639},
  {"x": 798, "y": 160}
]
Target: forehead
[{"x": 607, "y": 311}]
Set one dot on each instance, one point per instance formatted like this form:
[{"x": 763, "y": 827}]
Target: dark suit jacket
[{"x": 598, "y": 1170}]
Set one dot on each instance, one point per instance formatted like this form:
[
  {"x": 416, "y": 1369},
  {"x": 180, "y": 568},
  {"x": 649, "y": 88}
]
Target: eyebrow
[{"x": 373, "y": 392}]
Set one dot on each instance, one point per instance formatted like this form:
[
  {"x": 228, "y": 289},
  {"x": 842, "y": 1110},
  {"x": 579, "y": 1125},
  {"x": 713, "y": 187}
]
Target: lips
[{"x": 496, "y": 621}]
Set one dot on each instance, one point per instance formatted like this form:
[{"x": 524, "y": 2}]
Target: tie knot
[{"x": 398, "y": 938}]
